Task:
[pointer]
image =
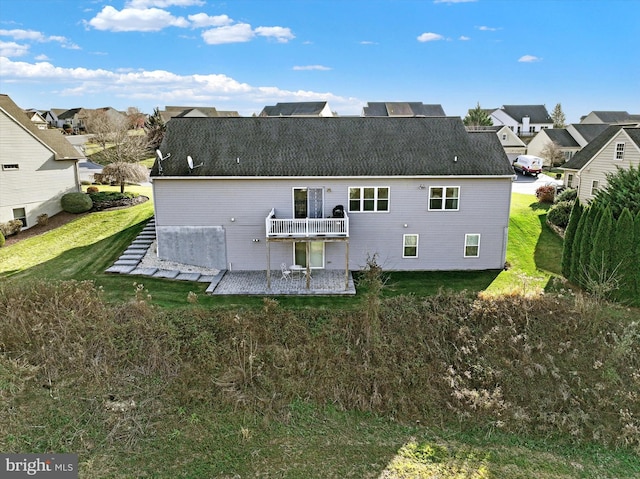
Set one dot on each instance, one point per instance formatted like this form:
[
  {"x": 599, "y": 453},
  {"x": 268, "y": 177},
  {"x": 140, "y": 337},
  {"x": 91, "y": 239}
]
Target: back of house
[{"x": 253, "y": 193}]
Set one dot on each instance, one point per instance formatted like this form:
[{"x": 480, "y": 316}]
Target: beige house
[
  {"x": 561, "y": 137},
  {"x": 617, "y": 147},
  {"x": 37, "y": 167},
  {"x": 511, "y": 143}
]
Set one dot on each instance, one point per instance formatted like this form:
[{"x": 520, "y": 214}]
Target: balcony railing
[{"x": 306, "y": 227}]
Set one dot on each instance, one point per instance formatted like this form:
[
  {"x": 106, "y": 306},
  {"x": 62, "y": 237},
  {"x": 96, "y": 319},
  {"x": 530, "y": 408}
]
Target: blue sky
[{"x": 244, "y": 54}]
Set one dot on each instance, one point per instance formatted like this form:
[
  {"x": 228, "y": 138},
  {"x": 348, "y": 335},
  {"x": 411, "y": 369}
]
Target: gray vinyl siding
[{"x": 483, "y": 209}]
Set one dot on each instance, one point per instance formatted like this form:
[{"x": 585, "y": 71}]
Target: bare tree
[
  {"x": 102, "y": 126},
  {"x": 122, "y": 172},
  {"x": 553, "y": 154}
]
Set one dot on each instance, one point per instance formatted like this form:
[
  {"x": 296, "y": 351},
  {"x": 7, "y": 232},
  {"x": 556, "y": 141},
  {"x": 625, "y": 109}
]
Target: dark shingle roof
[
  {"x": 612, "y": 116},
  {"x": 562, "y": 137},
  {"x": 399, "y": 108},
  {"x": 582, "y": 157},
  {"x": 304, "y": 108},
  {"x": 345, "y": 146},
  {"x": 536, "y": 113},
  {"x": 54, "y": 139},
  {"x": 589, "y": 131}
]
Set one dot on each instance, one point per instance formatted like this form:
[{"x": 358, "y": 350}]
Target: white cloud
[
  {"x": 430, "y": 37},
  {"x": 32, "y": 35},
  {"x": 366, "y": 42},
  {"x": 13, "y": 49},
  {"x": 135, "y": 20},
  {"x": 163, "y": 3},
  {"x": 41, "y": 58},
  {"x": 529, "y": 59},
  {"x": 311, "y": 67},
  {"x": 454, "y": 1},
  {"x": 281, "y": 34},
  {"x": 484, "y": 28},
  {"x": 464, "y": 38},
  {"x": 200, "y": 20},
  {"x": 161, "y": 87},
  {"x": 240, "y": 32}
]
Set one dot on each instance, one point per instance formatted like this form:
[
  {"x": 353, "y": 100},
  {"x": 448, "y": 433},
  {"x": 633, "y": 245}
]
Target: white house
[{"x": 524, "y": 120}]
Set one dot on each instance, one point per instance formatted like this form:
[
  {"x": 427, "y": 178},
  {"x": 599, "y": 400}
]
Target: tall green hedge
[{"x": 569, "y": 235}]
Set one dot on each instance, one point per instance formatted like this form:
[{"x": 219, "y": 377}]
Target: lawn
[{"x": 84, "y": 248}]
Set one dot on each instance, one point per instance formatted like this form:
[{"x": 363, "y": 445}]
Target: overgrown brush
[{"x": 548, "y": 365}]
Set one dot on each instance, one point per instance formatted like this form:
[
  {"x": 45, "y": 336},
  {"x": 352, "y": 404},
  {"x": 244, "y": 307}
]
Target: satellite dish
[
  {"x": 161, "y": 159},
  {"x": 190, "y": 163}
]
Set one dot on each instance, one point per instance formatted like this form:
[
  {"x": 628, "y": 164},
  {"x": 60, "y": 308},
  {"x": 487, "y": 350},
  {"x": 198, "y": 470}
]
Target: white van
[{"x": 528, "y": 165}]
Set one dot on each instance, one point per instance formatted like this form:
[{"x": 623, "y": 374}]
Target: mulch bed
[{"x": 63, "y": 218}]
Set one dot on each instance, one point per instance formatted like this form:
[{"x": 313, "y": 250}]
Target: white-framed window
[
  {"x": 11, "y": 166},
  {"x": 619, "y": 151},
  {"x": 410, "y": 246},
  {"x": 471, "y": 245},
  {"x": 21, "y": 215},
  {"x": 369, "y": 198},
  {"x": 570, "y": 180},
  {"x": 444, "y": 198},
  {"x": 594, "y": 187}
]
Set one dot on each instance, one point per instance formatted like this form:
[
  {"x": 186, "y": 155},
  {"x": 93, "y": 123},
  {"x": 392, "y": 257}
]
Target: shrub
[
  {"x": 76, "y": 203},
  {"x": 10, "y": 227},
  {"x": 85, "y": 182},
  {"x": 546, "y": 193},
  {"x": 560, "y": 213},
  {"x": 43, "y": 219},
  {"x": 93, "y": 189},
  {"x": 2, "y": 240},
  {"x": 567, "y": 195}
]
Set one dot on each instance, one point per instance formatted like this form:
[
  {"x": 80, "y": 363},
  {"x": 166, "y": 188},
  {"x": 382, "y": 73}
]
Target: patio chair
[{"x": 286, "y": 272}]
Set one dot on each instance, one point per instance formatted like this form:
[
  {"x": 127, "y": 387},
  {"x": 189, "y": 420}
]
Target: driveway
[{"x": 529, "y": 184}]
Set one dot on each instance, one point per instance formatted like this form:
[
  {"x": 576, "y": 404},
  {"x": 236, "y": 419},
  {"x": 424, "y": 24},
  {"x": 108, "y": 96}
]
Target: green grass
[{"x": 533, "y": 252}]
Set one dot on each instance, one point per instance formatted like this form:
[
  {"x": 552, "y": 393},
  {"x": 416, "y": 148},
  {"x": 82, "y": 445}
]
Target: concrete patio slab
[{"x": 144, "y": 271}]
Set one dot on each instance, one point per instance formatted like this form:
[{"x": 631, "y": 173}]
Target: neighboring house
[
  {"x": 253, "y": 193},
  {"x": 398, "y": 108},
  {"x": 299, "y": 109},
  {"x": 511, "y": 143},
  {"x": 51, "y": 117},
  {"x": 616, "y": 147},
  {"x": 37, "y": 119},
  {"x": 75, "y": 118},
  {"x": 562, "y": 138},
  {"x": 585, "y": 133},
  {"x": 609, "y": 118},
  {"x": 194, "y": 112},
  {"x": 37, "y": 167},
  {"x": 524, "y": 120}
]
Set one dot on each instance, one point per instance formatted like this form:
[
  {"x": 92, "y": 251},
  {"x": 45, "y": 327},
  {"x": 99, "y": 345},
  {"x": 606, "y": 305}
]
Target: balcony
[{"x": 306, "y": 227}]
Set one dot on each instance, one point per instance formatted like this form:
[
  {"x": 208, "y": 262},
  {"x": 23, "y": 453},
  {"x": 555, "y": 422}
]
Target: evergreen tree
[
  {"x": 622, "y": 191},
  {"x": 636, "y": 237},
  {"x": 477, "y": 117},
  {"x": 586, "y": 243},
  {"x": 578, "y": 259},
  {"x": 601, "y": 250},
  {"x": 624, "y": 255},
  {"x": 558, "y": 117},
  {"x": 569, "y": 235},
  {"x": 156, "y": 128}
]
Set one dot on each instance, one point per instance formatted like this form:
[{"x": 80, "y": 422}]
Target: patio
[{"x": 322, "y": 282}]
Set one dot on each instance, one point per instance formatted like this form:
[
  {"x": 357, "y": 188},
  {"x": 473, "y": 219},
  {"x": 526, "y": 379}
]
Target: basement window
[{"x": 10, "y": 166}]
